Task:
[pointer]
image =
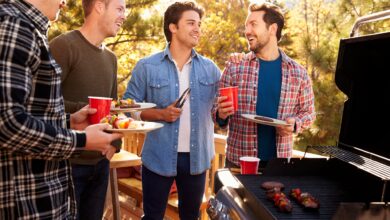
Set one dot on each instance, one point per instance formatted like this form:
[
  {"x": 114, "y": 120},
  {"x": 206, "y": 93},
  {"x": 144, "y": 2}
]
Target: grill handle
[{"x": 368, "y": 18}]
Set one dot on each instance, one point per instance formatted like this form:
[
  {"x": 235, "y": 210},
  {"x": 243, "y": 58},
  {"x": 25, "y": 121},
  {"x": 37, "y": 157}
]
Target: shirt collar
[
  {"x": 40, "y": 21},
  {"x": 285, "y": 58},
  {"x": 167, "y": 53}
]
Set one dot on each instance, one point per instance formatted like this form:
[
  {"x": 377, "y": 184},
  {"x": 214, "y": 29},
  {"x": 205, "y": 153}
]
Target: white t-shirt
[{"x": 185, "y": 122}]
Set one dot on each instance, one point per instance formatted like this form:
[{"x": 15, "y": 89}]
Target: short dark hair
[
  {"x": 273, "y": 14},
  {"x": 174, "y": 12},
  {"x": 88, "y": 5}
]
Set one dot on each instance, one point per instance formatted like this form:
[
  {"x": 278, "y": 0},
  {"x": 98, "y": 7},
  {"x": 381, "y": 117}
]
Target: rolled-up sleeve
[
  {"x": 225, "y": 80},
  {"x": 306, "y": 113}
]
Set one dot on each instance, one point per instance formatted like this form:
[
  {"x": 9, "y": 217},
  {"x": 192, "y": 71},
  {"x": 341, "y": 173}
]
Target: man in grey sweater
[{"x": 89, "y": 69}]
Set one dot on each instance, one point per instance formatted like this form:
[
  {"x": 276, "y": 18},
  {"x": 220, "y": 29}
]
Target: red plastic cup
[
  {"x": 102, "y": 104},
  {"x": 249, "y": 165},
  {"x": 232, "y": 94}
]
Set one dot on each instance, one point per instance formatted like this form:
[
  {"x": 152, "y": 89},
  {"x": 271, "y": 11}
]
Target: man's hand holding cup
[{"x": 227, "y": 102}]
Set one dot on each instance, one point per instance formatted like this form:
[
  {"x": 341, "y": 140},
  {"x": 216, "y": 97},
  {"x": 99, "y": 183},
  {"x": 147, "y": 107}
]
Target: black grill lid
[{"x": 363, "y": 74}]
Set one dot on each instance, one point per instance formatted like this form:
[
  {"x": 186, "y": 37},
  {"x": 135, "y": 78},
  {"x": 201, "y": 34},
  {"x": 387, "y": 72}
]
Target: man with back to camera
[
  {"x": 35, "y": 139},
  {"x": 269, "y": 84},
  {"x": 90, "y": 69},
  {"x": 183, "y": 149}
]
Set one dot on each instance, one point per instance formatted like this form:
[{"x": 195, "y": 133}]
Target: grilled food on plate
[
  {"x": 120, "y": 121},
  {"x": 124, "y": 103}
]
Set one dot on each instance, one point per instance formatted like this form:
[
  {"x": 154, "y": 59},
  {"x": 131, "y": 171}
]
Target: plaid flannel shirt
[
  {"x": 296, "y": 100},
  {"x": 35, "y": 177}
]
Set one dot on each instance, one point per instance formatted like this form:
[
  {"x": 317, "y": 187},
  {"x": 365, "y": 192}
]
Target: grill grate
[
  {"x": 329, "y": 193},
  {"x": 371, "y": 166}
]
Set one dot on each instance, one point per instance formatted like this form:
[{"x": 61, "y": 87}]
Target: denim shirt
[{"x": 155, "y": 80}]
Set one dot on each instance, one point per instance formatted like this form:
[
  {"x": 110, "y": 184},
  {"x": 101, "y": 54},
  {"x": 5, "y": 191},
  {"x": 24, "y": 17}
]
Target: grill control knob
[{"x": 217, "y": 210}]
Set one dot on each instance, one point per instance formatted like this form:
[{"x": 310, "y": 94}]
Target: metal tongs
[{"x": 180, "y": 102}]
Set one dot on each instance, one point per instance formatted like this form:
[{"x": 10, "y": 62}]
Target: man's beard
[
  {"x": 260, "y": 44},
  {"x": 256, "y": 48}
]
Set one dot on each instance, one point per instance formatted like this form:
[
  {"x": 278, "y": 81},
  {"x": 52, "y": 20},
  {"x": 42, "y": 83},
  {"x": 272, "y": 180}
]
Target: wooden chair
[
  {"x": 219, "y": 158},
  {"x": 133, "y": 143},
  {"x": 130, "y": 185}
]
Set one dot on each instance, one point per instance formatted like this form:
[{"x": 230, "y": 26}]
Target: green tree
[
  {"x": 223, "y": 29},
  {"x": 317, "y": 28},
  {"x": 350, "y": 10}
]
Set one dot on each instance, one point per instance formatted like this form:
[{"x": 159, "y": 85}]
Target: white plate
[
  {"x": 265, "y": 120},
  {"x": 144, "y": 128},
  {"x": 143, "y": 106}
]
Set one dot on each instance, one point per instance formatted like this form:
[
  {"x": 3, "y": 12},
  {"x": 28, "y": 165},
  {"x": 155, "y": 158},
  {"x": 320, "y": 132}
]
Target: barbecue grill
[{"x": 352, "y": 182}]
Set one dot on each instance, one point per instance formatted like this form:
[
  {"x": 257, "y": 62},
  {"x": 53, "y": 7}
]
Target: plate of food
[
  {"x": 129, "y": 105},
  {"x": 265, "y": 120},
  {"x": 122, "y": 124}
]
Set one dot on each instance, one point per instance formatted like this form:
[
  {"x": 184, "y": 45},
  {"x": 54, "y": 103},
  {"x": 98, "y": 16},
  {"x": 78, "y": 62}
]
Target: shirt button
[
  {"x": 192, "y": 114},
  {"x": 192, "y": 98},
  {"x": 176, "y": 131},
  {"x": 177, "y": 85},
  {"x": 191, "y": 83},
  {"x": 193, "y": 129},
  {"x": 158, "y": 86}
]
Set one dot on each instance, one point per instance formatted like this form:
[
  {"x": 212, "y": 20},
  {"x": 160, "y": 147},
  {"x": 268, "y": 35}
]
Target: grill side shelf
[
  {"x": 371, "y": 166},
  {"x": 361, "y": 162}
]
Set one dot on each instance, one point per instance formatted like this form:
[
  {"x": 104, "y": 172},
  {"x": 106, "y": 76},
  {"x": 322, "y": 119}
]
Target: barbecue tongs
[{"x": 180, "y": 102}]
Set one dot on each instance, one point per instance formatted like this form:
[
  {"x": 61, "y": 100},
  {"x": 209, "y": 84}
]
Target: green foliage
[
  {"x": 223, "y": 29},
  {"x": 350, "y": 10},
  {"x": 70, "y": 18},
  {"x": 317, "y": 29}
]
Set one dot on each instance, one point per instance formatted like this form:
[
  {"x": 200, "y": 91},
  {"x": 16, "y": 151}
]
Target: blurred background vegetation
[{"x": 311, "y": 36}]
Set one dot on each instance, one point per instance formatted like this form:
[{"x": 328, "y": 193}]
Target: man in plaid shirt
[
  {"x": 269, "y": 84},
  {"x": 35, "y": 144}
]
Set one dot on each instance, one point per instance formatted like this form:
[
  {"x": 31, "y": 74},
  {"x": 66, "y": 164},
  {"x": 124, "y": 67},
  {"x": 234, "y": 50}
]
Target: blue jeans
[
  {"x": 155, "y": 190},
  {"x": 90, "y": 183}
]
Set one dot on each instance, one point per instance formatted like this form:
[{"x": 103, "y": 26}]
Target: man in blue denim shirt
[{"x": 183, "y": 148}]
